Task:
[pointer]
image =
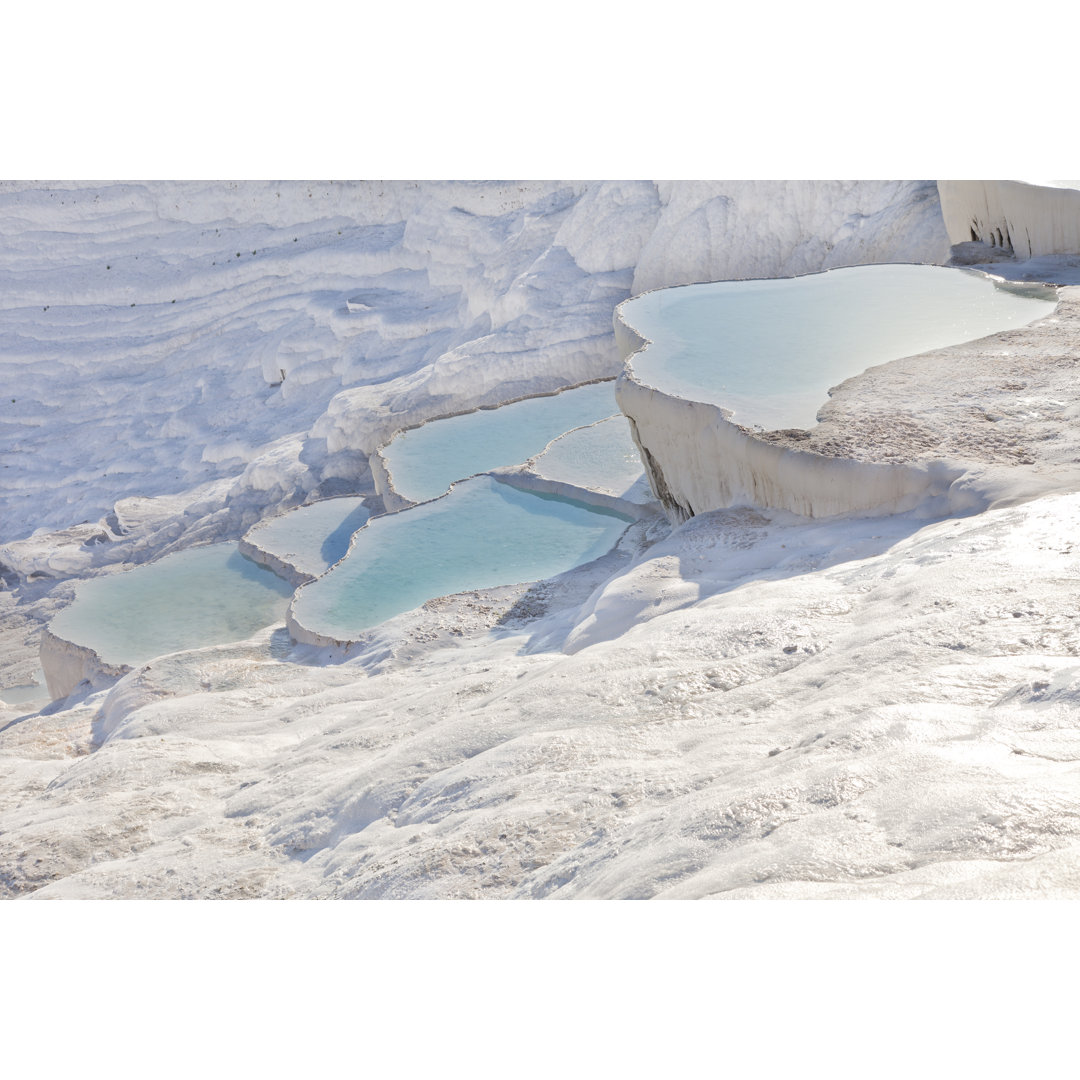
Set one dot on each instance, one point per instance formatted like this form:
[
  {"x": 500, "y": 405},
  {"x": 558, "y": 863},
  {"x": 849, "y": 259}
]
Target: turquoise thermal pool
[
  {"x": 601, "y": 457},
  {"x": 483, "y": 534},
  {"x": 425, "y": 461},
  {"x": 769, "y": 350},
  {"x": 312, "y": 538},
  {"x": 202, "y": 596}
]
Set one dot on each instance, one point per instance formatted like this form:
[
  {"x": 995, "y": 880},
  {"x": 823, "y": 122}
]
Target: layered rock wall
[
  {"x": 1026, "y": 219},
  {"x": 66, "y": 665},
  {"x": 951, "y": 430},
  {"x": 698, "y": 460}
]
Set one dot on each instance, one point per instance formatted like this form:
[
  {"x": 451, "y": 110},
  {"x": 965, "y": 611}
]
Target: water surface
[
  {"x": 484, "y": 533},
  {"x": 35, "y": 693},
  {"x": 203, "y": 596},
  {"x": 312, "y": 538},
  {"x": 425, "y": 461},
  {"x": 770, "y": 350},
  {"x": 601, "y": 457}
]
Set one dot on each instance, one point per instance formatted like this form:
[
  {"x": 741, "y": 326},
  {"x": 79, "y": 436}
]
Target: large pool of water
[
  {"x": 425, "y": 461},
  {"x": 312, "y": 538},
  {"x": 484, "y": 533},
  {"x": 202, "y": 596},
  {"x": 770, "y": 350}
]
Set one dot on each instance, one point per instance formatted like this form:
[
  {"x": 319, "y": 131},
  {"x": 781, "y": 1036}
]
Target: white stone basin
[
  {"x": 424, "y": 461},
  {"x": 482, "y": 534},
  {"x": 203, "y": 596},
  {"x": 768, "y": 351}
]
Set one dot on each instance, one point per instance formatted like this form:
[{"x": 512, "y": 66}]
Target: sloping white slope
[
  {"x": 190, "y": 357},
  {"x": 861, "y": 708},
  {"x": 157, "y": 337},
  {"x": 750, "y": 228},
  {"x": 757, "y": 705}
]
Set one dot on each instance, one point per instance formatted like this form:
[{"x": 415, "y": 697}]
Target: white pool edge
[
  {"x": 698, "y": 459},
  {"x": 67, "y": 664},
  {"x": 382, "y": 475}
]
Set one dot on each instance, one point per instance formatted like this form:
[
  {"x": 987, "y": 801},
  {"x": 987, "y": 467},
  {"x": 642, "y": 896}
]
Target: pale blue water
[
  {"x": 602, "y": 456},
  {"x": 27, "y": 694},
  {"x": 425, "y": 461},
  {"x": 480, "y": 535},
  {"x": 770, "y": 350},
  {"x": 312, "y": 538},
  {"x": 202, "y": 596}
]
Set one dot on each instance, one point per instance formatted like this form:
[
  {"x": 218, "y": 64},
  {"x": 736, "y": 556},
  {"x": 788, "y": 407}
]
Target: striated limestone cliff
[{"x": 1023, "y": 218}]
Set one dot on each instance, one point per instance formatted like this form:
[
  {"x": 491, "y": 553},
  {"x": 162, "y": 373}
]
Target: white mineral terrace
[
  {"x": 422, "y": 462},
  {"x": 576, "y": 493},
  {"x": 752, "y": 704},
  {"x": 705, "y": 362},
  {"x": 202, "y": 596},
  {"x": 482, "y": 533},
  {"x": 1025, "y": 219},
  {"x": 527, "y": 525}
]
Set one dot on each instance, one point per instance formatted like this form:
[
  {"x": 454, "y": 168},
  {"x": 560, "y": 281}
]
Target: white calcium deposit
[
  {"x": 698, "y": 460},
  {"x": 216, "y": 352},
  {"x": 751, "y": 704},
  {"x": 1027, "y": 219},
  {"x": 697, "y": 455}
]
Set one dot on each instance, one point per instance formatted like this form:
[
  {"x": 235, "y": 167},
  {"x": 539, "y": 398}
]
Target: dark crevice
[{"x": 676, "y": 510}]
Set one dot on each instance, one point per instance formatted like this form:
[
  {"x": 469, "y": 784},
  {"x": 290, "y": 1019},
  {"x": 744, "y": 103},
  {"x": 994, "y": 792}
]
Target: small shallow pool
[
  {"x": 601, "y": 457},
  {"x": 312, "y": 538},
  {"x": 484, "y": 533},
  {"x": 770, "y": 350},
  {"x": 202, "y": 596},
  {"x": 35, "y": 694},
  {"x": 426, "y": 460}
]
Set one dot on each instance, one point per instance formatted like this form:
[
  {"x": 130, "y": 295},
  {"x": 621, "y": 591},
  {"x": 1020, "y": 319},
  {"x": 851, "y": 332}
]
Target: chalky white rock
[{"x": 750, "y": 704}]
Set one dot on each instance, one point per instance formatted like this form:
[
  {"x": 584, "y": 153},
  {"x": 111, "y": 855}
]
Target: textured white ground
[
  {"x": 888, "y": 710},
  {"x": 752, "y": 705}
]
